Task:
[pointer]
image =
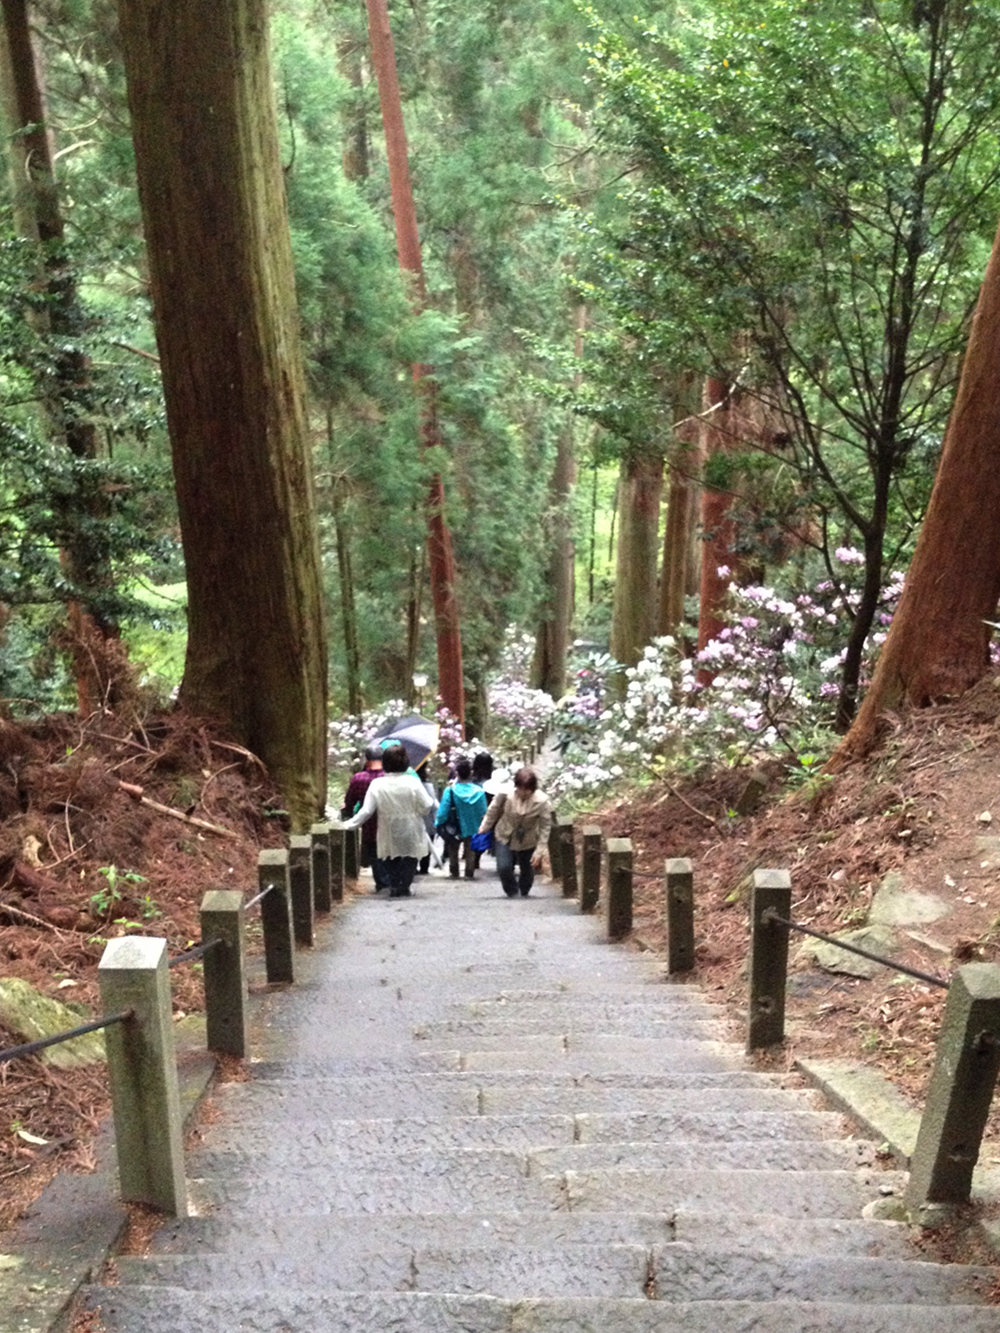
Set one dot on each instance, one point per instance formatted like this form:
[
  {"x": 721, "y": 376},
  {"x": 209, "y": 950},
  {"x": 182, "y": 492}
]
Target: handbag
[
  {"x": 482, "y": 842},
  {"x": 451, "y": 829}
]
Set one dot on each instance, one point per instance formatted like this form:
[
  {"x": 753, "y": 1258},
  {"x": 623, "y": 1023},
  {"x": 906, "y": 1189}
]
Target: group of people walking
[{"x": 399, "y": 813}]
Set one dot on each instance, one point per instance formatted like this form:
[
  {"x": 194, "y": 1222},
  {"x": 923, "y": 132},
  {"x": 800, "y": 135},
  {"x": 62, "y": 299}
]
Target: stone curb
[
  {"x": 73, "y": 1227},
  {"x": 890, "y": 1119}
]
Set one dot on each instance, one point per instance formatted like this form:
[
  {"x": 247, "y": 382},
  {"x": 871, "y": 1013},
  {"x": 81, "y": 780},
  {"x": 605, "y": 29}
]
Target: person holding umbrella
[{"x": 401, "y": 803}]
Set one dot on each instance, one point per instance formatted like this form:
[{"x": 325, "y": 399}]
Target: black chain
[
  {"x": 771, "y": 915},
  {"x": 30, "y": 1047}
]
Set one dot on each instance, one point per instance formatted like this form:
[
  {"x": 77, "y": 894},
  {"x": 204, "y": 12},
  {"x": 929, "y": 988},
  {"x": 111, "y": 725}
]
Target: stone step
[
  {"x": 348, "y": 1140},
  {"x": 502, "y": 1099},
  {"x": 708, "y": 1126},
  {"x": 290, "y": 1071},
  {"x": 504, "y": 1156},
  {"x": 169, "y": 1310},
  {"x": 596, "y": 1053},
  {"x": 675, "y": 1272},
  {"x": 514, "y": 1030},
  {"x": 820, "y": 1194},
  {"x": 464, "y": 1188},
  {"x": 722, "y": 1154},
  {"x": 769, "y": 1130},
  {"x": 311, "y": 1236},
  {"x": 571, "y": 1051},
  {"x": 530, "y": 1092}
]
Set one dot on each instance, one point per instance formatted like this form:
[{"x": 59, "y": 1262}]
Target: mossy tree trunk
[{"x": 210, "y": 184}]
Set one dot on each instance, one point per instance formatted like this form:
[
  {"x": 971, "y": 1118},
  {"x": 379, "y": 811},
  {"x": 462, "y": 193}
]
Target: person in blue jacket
[{"x": 459, "y": 815}]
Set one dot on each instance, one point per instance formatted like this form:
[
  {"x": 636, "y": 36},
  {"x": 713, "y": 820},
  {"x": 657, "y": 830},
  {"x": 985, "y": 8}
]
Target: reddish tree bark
[
  {"x": 440, "y": 556},
  {"x": 938, "y": 643},
  {"x": 718, "y": 528}
]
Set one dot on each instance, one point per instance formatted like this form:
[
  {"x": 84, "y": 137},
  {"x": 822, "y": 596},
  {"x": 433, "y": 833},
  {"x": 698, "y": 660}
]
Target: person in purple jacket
[{"x": 354, "y": 798}]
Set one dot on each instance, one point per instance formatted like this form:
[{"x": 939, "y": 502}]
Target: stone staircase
[{"x": 472, "y": 1114}]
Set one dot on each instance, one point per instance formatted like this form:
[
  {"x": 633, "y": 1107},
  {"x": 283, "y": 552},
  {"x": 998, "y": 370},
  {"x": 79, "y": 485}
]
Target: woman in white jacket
[{"x": 400, "y": 801}]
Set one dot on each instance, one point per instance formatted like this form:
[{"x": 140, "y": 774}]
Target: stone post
[
  {"x": 225, "y": 973},
  {"x": 680, "y": 915},
  {"x": 590, "y": 883},
  {"x": 337, "y": 839},
  {"x": 276, "y": 915},
  {"x": 301, "y": 886},
  {"x": 618, "y": 909},
  {"x": 772, "y": 893},
  {"x": 567, "y": 857},
  {"x": 352, "y": 853},
  {"x": 142, "y": 1069},
  {"x": 960, "y": 1090},
  {"x": 555, "y": 849},
  {"x": 320, "y": 834}
]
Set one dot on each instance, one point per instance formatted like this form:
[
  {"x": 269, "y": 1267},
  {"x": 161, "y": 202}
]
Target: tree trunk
[
  {"x": 352, "y": 661},
  {"x": 65, "y": 390},
  {"x": 676, "y": 548},
  {"x": 441, "y": 558},
  {"x": 938, "y": 643},
  {"x": 552, "y": 642},
  {"x": 223, "y": 288},
  {"x": 718, "y": 529},
  {"x": 633, "y": 617}
]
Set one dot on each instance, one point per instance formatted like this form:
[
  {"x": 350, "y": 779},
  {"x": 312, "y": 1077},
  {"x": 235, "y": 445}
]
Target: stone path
[{"x": 473, "y": 1114}]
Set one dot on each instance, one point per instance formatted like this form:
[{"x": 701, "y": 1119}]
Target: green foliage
[
  {"x": 811, "y": 192},
  {"x": 114, "y": 890}
]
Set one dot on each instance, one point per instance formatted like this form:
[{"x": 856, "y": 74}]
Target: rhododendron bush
[
  {"x": 764, "y": 687},
  {"x": 774, "y": 669}
]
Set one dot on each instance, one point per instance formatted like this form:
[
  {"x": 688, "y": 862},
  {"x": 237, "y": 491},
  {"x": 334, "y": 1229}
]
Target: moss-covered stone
[{"x": 32, "y": 1016}]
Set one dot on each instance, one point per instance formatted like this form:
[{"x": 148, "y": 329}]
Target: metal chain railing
[
  {"x": 771, "y": 915},
  {"x": 189, "y": 955},
  {"x": 268, "y": 888},
  {"x": 30, "y": 1047}
]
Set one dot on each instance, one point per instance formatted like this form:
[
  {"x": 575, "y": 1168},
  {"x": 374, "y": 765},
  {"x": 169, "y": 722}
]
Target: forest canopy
[{"x": 695, "y": 285}]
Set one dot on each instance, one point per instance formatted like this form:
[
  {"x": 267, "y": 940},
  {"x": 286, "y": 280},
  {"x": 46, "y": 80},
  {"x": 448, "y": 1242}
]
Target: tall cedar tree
[
  {"x": 210, "y": 183},
  {"x": 439, "y": 549},
  {"x": 633, "y": 621},
  {"x": 938, "y": 643},
  {"x": 65, "y": 386}
]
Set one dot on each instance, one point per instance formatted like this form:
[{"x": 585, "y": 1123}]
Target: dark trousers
[
  {"x": 368, "y": 858},
  {"x": 516, "y": 872},
  {"x": 400, "y": 870},
  {"x": 469, "y": 856}
]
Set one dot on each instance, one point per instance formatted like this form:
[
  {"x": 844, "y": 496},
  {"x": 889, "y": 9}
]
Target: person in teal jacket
[{"x": 459, "y": 815}]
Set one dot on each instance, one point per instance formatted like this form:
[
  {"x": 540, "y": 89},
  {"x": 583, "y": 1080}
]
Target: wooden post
[
  {"x": 772, "y": 893},
  {"x": 142, "y": 1069},
  {"x": 960, "y": 1091},
  {"x": 567, "y": 857},
  {"x": 618, "y": 909},
  {"x": 680, "y": 915},
  {"x": 337, "y": 841},
  {"x": 225, "y": 973},
  {"x": 301, "y": 885},
  {"x": 320, "y": 834},
  {"x": 276, "y": 915},
  {"x": 590, "y": 884}
]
